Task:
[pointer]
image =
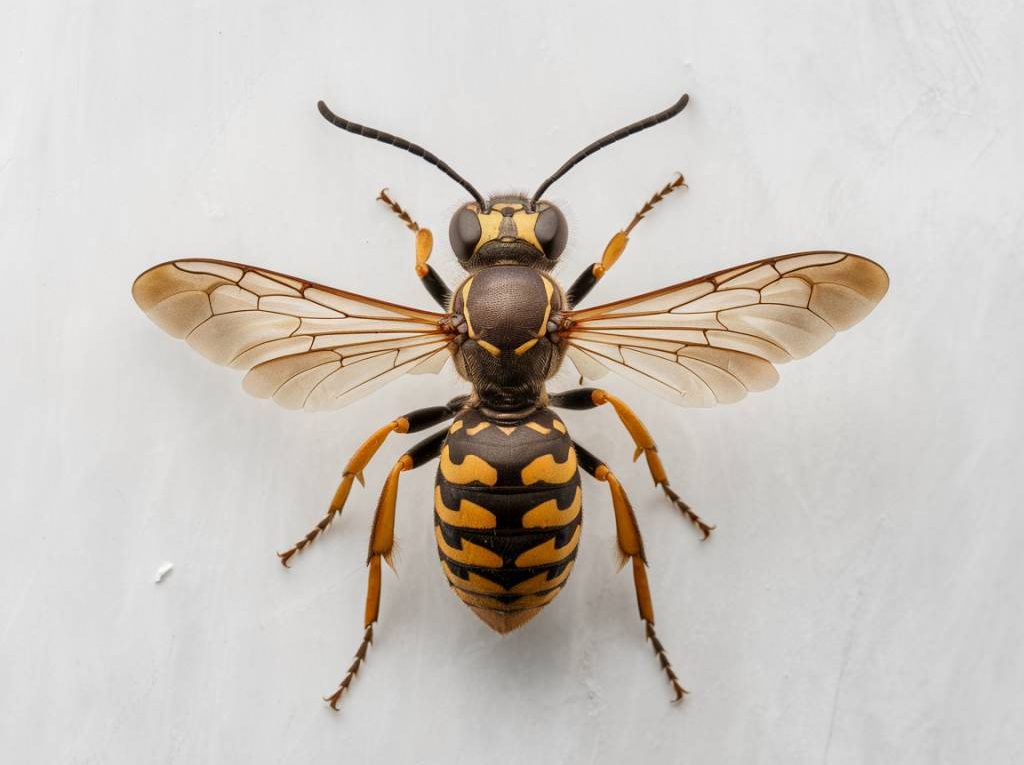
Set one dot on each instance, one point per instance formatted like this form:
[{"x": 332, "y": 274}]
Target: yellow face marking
[
  {"x": 507, "y": 430},
  {"x": 465, "y": 307},
  {"x": 546, "y": 553},
  {"x": 546, "y": 468},
  {"x": 475, "y": 583},
  {"x": 491, "y": 349},
  {"x": 472, "y": 469},
  {"x": 470, "y": 554},
  {"x": 470, "y": 515},
  {"x": 557, "y": 425},
  {"x": 478, "y": 427},
  {"x": 525, "y": 224},
  {"x": 541, "y": 582},
  {"x": 490, "y": 224},
  {"x": 526, "y": 346},
  {"x": 456, "y": 426},
  {"x": 536, "y": 426},
  {"x": 547, "y": 514}
]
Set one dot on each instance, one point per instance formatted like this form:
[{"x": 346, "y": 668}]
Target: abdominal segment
[{"x": 507, "y": 515}]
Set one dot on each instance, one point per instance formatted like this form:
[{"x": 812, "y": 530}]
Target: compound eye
[
  {"x": 464, "y": 233},
  {"x": 551, "y": 231}
]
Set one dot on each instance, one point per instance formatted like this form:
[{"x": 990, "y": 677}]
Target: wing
[
  {"x": 711, "y": 340},
  {"x": 304, "y": 345}
]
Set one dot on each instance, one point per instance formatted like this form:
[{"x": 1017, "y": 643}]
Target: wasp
[{"x": 507, "y": 499}]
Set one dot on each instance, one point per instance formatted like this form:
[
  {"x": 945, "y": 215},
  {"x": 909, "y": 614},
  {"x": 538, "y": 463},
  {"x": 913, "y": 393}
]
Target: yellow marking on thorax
[
  {"x": 526, "y": 346},
  {"x": 536, "y": 426},
  {"x": 472, "y": 469},
  {"x": 478, "y": 427},
  {"x": 489, "y": 347},
  {"x": 456, "y": 426},
  {"x": 546, "y": 468},
  {"x": 541, "y": 582},
  {"x": 470, "y": 554},
  {"x": 559, "y": 426},
  {"x": 465, "y": 307},
  {"x": 547, "y": 514},
  {"x": 550, "y": 290},
  {"x": 546, "y": 553},
  {"x": 470, "y": 515}
]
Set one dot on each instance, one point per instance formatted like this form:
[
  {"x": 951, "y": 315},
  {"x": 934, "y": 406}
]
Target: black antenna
[
  {"x": 401, "y": 143},
  {"x": 611, "y": 138}
]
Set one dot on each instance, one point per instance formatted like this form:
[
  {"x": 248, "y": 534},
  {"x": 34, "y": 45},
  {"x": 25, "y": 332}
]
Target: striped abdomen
[{"x": 507, "y": 514}]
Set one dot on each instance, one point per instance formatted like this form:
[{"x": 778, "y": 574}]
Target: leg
[
  {"x": 382, "y": 542},
  {"x": 424, "y": 246},
  {"x": 631, "y": 548},
  {"x": 588, "y": 398},
  {"x": 414, "y": 421},
  {"x": 615, "y": 247}
]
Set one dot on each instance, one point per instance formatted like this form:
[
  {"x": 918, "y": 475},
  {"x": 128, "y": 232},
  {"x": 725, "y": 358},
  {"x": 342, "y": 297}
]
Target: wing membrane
[
  {"x": 714, "y": 339},
  {"x": 304, "y": 345}
]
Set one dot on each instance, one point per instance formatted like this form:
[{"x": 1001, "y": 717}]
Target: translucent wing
[
  {"x": 304, "y": 345},
  {"x": 711, "y": 340}
]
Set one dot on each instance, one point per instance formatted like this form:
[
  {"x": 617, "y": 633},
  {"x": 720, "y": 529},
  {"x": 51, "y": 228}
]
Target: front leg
[
  {"x": 433, "y": 283},
  {"x": 615, "y": 247}
]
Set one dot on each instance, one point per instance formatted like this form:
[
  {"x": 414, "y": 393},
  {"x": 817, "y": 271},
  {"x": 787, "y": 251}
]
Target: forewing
[
  {"x": 304, "y": 345},
  {"x": 712, "y": 340}
]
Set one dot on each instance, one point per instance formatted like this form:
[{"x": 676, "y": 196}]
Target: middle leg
[
  {"x": 590, "y": 398},
  {"x": 416, "y": 420}
]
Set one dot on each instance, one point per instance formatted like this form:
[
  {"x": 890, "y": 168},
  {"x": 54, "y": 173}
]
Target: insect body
[{"x": 508, "y": 498}]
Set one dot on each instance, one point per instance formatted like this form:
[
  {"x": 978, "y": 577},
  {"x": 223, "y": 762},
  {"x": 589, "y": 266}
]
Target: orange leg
[
  {"x": 588, "y": 398},
  {"x": 631, "y": 548},
  {"x": 424, "y": 247},
  {"x": 382, "y": 543},
  {"x": 412, "y": 422},
  {"x": 616, "y": 246}
]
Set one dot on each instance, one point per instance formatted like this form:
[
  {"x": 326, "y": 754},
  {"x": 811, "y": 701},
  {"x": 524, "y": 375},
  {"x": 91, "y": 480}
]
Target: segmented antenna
[
  {"x": 611, "y": 138},
  {"x": 401, "y": 143}
]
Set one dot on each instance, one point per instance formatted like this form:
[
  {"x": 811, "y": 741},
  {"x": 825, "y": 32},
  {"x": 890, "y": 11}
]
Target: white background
[{"x": 860, "y": 602}]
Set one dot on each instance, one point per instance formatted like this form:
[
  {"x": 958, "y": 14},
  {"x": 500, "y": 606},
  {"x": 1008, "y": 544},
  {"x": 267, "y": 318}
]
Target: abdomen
[{"x": 507, "y": 514}]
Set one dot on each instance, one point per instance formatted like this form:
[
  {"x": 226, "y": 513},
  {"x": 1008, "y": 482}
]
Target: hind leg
[
  {"x": 382, "y": 543},
  {"x": 631, "y": 548}
]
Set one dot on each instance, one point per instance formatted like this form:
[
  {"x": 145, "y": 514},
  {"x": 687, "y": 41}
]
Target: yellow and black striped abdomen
[{"x": 507, "y": 514}]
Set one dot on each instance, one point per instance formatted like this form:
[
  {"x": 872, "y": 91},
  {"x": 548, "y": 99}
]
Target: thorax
[{"x": 505, "y": 314}]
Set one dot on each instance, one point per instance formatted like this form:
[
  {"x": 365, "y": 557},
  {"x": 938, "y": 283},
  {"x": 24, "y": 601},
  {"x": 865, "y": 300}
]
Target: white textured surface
[{"x": 861, "y": 599}]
